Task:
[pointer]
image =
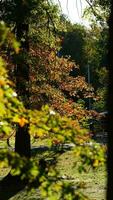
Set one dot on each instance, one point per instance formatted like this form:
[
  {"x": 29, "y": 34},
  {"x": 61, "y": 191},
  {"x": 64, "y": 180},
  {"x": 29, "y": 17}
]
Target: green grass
[{"x": 94, "y": 180}]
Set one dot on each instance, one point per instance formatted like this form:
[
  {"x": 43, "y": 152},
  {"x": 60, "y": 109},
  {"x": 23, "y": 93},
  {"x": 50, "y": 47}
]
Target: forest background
[{"x": 46, "y": 62}]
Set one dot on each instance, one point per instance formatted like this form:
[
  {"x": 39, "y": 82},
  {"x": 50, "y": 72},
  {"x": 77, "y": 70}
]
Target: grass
[{"x": 94, "y": 180}]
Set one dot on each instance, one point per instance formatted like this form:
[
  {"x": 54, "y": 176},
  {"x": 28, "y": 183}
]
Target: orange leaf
[{"x": 22, "y": 121}]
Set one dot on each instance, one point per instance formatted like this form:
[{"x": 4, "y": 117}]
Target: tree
[
  {"x": 21, "y": 28},
  {"x": 22, "y": 81},
  {"x": 102, "y": 90},
  {"x": 73, "y": 44},
  {"x": 99, "y": 11},
  {"x": 92, "y": 46},
  {"x": 110, "y": 110},
  {"x": 19, "y": 22},
  {"x": 109, "y": 6}
]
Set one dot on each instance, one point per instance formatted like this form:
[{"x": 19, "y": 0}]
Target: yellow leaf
[
  {"x": 17, "y": 50},
  {"x": 2, "y": 82},
  {"x": 40, "y": 132},
  {"x": 1, "y": 93},
  {"x": 96, "y": 163}
]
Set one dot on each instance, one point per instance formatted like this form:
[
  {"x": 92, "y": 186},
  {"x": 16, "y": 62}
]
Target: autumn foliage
[{"x": 52, "y": 84}]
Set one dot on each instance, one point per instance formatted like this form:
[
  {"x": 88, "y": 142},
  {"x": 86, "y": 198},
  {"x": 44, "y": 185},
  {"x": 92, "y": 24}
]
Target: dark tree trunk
[
  {"x": 22, "y": 141},
  {"x": 110, "y": 111}
]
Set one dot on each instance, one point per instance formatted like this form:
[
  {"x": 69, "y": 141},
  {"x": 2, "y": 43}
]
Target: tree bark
[
  {"x": 110, "y": 111},
  {"x": 22, "y": 140}
]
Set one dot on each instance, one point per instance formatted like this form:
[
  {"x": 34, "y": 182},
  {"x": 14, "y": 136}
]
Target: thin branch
[
  {"x": 50, "y": 19},
  {"x": 92, "y": 8},
  {"x": 59, "y": 3}
]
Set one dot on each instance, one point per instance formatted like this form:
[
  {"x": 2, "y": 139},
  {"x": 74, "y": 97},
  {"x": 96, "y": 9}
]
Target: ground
[{"x": 95, "y": 181}]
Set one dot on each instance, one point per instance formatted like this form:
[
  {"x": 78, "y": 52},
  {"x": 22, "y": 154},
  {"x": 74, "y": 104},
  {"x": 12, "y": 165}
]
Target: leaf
[
  {"x": 22, "y": 121},
  {"x": 95, "y": 163},
  {"x": 16, "y": 46}
]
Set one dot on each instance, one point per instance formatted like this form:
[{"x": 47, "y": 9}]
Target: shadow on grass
[{"x": 11, "y": 185}]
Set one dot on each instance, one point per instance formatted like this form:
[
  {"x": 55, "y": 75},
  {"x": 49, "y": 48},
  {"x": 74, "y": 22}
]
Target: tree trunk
[
  {"x": 110, "y": 111},
  {"x": 22, "y": 141}
]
